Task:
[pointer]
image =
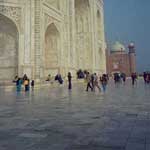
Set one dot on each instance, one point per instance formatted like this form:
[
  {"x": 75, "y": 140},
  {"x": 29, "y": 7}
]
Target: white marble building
[{"x": 41, "y": 37}]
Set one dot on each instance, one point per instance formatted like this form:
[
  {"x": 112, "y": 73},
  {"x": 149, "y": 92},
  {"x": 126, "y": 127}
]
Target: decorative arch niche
[
  {"x": 9, "y": 43},
  {"x": 99, "y": 30},
  {"x": 52, "y": 47}
]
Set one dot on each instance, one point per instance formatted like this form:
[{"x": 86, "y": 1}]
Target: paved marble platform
[{"x": 58, "y": 119}]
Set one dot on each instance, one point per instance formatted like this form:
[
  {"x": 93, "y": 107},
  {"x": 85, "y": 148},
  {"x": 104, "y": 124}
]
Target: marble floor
[{"x": 58, "y": 119}]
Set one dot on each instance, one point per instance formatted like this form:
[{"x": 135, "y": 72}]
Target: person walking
[
  {"x": 96, "y": 82},
  {"x": 69, "y": 81},
  {"x": 88, "y": 78},
  {"x": 104, "y": 82}
]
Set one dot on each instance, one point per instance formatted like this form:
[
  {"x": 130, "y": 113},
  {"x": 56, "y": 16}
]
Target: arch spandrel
[
  {"x": 50, "y": 20},
  {"x": 13, "y": 13}
]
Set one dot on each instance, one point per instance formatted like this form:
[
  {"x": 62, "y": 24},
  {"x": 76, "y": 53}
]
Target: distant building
[{"x": 121, "y": 61}]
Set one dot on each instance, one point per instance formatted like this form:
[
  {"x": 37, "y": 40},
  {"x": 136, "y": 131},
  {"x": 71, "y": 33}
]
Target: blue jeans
[{"x": 104, "y": 87}]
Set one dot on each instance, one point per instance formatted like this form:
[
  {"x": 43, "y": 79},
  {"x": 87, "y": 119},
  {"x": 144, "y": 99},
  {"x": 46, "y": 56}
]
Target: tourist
[
  {"x": 104, "y": 82},
  {"x": 69, "y": 81},
  {"x": 25, "y": 77},
  {"x": 133, "y": 77},
  {"x": 92, "y": 81},
  {"x": 32, "y": 85},
  {"x": 88, "y": 79},
  {"x": 15, "y": 79},
  {"x": 116, "y": 78},
  {"x": 59, "y": 78},
  {"x": 148, "y": 78},
  {"x": 145, "y": 76},
  {"x": 18, "y": 84},
  {"x": 96, "y": 82},
  {"x": 48, "y": 78},
  {"x": 27, "y": 84},
  {"x": 123, "y": 76}
]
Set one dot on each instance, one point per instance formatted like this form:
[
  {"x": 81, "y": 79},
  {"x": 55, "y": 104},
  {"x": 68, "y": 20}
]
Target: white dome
[{"x": 117, "y": 47}]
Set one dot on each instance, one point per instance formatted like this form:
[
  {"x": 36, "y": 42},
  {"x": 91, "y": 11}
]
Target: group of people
[
  {"x": 119, "y": 77},
  {"x": 93, "y": 82},
  {"x": 23, "y": 81},
  {"x": 146, "y": 76},
  {"x": 59, "y": 78}
]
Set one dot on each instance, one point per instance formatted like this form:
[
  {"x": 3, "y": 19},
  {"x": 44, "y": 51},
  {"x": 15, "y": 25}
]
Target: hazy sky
[{"x": 129, "y": 20}]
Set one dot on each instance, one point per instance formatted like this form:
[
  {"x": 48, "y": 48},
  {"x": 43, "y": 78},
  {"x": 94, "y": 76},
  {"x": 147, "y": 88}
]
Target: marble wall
[{"x": 50, "y": 36}]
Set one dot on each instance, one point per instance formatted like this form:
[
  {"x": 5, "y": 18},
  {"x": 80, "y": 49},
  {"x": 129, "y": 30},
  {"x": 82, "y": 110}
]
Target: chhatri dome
[{"x": 117, "y": 47}]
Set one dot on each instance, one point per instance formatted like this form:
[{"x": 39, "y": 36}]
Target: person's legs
[
  {"x": 98, "y": 87},
  {"x": 133, "y": 81},
  {"x": 69, "y": 86},
  {"x": 87, "y": 87},
  {"x": 104, "y": 87},
  {"x": 91, "y": 87}
]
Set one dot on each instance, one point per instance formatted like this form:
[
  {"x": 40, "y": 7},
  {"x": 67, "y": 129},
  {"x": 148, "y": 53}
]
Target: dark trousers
[
  {"x": 70, "y": 85},
  {"x": 89, "y": 86},
  {"x": 133, "y": 81},
  {"x": 27, "y": 88}
]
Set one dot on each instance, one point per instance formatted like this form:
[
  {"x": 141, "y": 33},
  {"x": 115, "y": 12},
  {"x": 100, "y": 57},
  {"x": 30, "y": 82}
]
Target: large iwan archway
[
  {"x": 9, "y": 40},
  {"x": 52, "y": 48},
  {"x": 83, "y": 34}
]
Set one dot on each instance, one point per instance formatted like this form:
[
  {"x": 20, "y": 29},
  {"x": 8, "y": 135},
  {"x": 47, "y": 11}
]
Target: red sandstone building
[{"x": 121, "y": 61}]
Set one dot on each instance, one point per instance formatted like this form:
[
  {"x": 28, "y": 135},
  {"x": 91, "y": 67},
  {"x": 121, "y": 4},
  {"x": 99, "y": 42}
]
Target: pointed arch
[
  {"x": 52, "y": 46},
  {"x": 9, "y": 44}
]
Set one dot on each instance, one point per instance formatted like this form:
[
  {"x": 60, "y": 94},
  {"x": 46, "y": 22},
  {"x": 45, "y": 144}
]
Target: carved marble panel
[{"x": 12, "y": 12}]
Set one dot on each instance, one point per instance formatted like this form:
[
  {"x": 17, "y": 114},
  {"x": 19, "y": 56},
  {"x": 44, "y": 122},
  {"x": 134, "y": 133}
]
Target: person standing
[
  {"x": 69, "y": 81},
  {"x": 92, "y": 81},
  {"x": 26, "y": 84},
  {"x": 32, "y": 85},
  {"x": 133, "y": 77},
  {"x": 18, "y": 84}
]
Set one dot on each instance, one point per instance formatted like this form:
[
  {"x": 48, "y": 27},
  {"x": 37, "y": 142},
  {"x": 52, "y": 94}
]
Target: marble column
[
  {"x": 72, "y": 33},
  {"x": 27, "y": 35},
  {"x": 92, "y": 33},
  {"x": 37, "y": 39}
]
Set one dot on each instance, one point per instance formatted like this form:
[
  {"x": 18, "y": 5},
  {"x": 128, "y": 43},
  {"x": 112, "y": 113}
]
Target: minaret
[{"x": 132, "y": 58}]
